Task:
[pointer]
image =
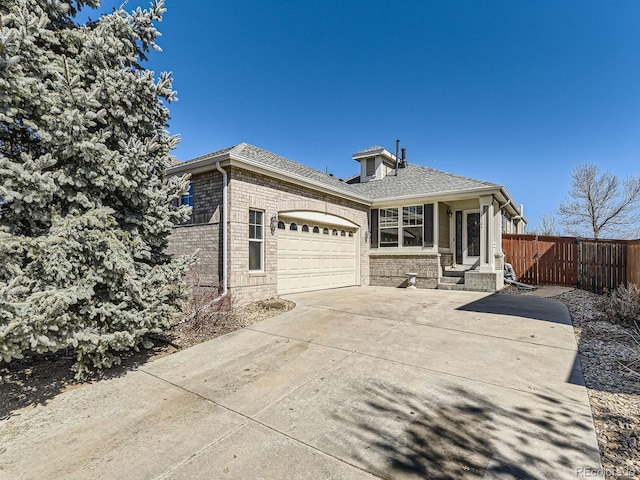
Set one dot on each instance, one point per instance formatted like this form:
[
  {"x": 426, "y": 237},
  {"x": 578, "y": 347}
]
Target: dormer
[{"x": 375, "y": 163}]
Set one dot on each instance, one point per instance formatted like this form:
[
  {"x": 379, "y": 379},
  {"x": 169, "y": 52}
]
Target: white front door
[{"x": 470, "y": 237}]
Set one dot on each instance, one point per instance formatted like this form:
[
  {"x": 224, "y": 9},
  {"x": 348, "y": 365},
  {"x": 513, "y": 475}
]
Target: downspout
[{"x": 225, "y": 232}]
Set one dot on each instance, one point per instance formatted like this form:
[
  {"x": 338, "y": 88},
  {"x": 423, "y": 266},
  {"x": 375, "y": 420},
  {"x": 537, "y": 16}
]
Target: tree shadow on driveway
[{"x": 468, "y": 436}]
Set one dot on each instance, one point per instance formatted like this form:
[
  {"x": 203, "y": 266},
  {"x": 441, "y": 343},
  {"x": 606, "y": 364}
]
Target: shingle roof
[
  {"x": 281, "y": 164},
  {"x": 217, "y": 153},
  {"x": 284, "y": 165},
  {"x": 374, "y": 148},
  {"x": 414, "y": 180}
]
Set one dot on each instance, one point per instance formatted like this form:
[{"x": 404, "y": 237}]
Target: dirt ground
[{"x": 35, "y": 379}]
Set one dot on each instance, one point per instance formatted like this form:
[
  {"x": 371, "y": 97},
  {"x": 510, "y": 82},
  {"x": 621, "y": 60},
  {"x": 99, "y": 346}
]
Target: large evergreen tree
[{"x": 85, "y": 211}]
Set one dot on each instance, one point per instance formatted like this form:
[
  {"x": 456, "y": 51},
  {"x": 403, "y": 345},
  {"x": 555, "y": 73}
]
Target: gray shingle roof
[
  {"x": 374, "y": 148},
  {"x": 414, "y": 180},
  {"x": 284, "y": 165}
]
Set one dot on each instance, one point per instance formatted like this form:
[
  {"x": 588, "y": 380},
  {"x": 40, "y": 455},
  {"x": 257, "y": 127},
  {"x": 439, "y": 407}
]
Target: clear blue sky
[{"x": 513, "y": 92}]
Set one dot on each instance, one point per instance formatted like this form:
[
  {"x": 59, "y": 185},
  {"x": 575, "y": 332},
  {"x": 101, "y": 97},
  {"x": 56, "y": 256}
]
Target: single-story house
[{"x": 265, "y": 225}]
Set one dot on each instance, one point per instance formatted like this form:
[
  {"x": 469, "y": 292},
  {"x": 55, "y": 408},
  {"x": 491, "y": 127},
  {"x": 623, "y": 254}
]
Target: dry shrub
[
  {"x": 622, "y": 306},
  {"x": 205, "y": 314}
]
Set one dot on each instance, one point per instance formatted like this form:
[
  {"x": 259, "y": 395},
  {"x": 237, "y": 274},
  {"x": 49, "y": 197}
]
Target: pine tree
[{"x": 85, "y": 210}]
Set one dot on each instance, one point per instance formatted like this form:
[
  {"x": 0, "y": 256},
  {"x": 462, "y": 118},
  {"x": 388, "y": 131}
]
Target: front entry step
[{"x": 452, "y": 279}]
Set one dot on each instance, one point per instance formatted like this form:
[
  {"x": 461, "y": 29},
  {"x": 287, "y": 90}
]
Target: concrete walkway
[{"x": 353, "y": 383}]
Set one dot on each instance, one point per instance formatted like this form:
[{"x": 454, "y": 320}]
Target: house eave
[
  {"x": 444, "y": 196},
  {"x": 231, "y": 159}
]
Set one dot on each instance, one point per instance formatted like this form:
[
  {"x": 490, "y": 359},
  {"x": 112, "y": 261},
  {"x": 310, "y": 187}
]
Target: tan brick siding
[
  {"x": 250, "y": 190},
  {"x": 391, "y": 270},
  {"x": 205, "y": 240},
  {"x": 202, "y": 232}
]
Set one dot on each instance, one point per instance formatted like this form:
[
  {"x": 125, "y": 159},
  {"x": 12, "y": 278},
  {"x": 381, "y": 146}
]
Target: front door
[{"x": 470, "y": 237}]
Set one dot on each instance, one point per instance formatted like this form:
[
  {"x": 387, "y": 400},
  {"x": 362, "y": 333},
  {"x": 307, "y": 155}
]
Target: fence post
[{"x": 537, "y": 257}]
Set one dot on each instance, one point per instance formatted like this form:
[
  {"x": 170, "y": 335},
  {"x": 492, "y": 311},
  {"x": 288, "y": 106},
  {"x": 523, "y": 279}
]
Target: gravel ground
[{"x": 610, "y": 359}]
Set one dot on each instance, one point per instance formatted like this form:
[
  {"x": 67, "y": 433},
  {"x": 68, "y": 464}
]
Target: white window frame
[
  {"x": 255, "y": 239},
  {"x": 416, "y": 221},
  {"x": 385, "y": 224}
]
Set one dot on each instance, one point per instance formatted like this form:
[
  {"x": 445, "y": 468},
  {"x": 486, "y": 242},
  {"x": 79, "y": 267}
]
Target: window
[
  {"x": 316, "y": 230},
  {"x": 305, "y": 228},
  {"x": 412, "y": 226},
  {"x": 325, "y": 231},
  {"x": 406, "y": 232},
  {"x": 343, "y": 233},
  {"x": 350, "y": 233},
  {"x": 388, "y": 227},
  {"x": 294, "y": 227},
  {"x": 335, "y": 232},
  {"x": 187, "y": 198},
  {"x": 256, "y": 240},
  {"x": 281, "y": 225}
]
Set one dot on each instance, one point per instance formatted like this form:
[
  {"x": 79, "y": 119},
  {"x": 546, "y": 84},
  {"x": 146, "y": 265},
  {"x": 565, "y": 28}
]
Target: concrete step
[
  {"x": 451, "y": 286},
  {"x": 452, "y": 280},
  {"x": 453, "y": 273}
]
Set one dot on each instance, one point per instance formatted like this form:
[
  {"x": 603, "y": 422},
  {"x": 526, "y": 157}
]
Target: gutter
[{"x": 225, "y": 235}]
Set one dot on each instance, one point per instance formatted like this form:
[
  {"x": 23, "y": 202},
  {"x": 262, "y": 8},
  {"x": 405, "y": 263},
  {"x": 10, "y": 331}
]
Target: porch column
[
  {"x": 436, "y": 226},
  {"x": 487, "y": 229}
]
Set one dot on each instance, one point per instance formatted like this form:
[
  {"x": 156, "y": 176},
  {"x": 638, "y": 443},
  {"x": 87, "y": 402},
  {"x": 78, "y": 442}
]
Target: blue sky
[{"x": 513, "y": 92}]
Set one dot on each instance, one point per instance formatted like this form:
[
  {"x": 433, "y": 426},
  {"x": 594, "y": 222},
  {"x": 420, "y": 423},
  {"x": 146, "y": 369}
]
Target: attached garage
[{"x": 316, "y": 251}]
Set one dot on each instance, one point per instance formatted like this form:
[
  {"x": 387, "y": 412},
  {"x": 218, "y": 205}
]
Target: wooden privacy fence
[{"x": 595, "y": 265}]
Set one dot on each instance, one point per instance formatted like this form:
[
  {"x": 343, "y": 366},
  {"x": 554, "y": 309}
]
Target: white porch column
[
  {"x": 436, "y": 226},
  {"x": 487, "y": 234}
]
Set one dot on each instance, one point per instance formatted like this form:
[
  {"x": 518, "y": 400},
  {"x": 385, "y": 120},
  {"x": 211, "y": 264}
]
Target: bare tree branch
[{"x": 595, "y": 205}]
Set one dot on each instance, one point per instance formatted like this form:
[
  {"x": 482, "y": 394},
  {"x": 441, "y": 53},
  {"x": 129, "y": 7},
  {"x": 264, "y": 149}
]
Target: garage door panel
[{"x": 308, "y": 261}]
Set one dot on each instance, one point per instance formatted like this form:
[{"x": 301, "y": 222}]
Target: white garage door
[{"x": 314, "y": 256}]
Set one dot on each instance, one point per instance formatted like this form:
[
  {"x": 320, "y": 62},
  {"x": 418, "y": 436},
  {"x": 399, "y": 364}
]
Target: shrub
[{"x": 623, "y": 305}]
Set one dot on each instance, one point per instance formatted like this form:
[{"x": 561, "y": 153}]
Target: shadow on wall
[{"x": 468, "y": 437}]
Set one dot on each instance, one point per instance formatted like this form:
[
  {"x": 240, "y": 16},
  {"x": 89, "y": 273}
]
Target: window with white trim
[
  {"x": 406, "y": 231},
  {"x": 388, "y": 227},
  {"x": 412, "y": 220},
  {"x": 256, "y": 240}
]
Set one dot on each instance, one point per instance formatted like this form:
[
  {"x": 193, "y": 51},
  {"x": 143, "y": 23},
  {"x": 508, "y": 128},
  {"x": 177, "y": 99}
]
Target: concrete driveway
[{"x": 354, "y": 383}]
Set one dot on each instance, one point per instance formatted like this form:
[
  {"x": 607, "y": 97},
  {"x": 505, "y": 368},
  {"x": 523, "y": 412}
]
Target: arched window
[
  {"x": 305, "y": 228},
  {"x": 350, "y": 233},
  {"x": 325, "y": 231},
  {"x": 293, "y": 226},
  {"x": 281, "y": 225},
  {"x": 343, "y": 233},
  {"x": 335, "y": 232},
  {"x": 316, "y": 230}
]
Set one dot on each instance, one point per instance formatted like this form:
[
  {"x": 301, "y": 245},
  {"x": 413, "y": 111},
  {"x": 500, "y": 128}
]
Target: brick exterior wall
[
  {"x": 249, "y": 190},
  {"x": 391, "y": 270},
  {"x": 202, "y": 232},
  {"x": 446, "y": 259}
]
